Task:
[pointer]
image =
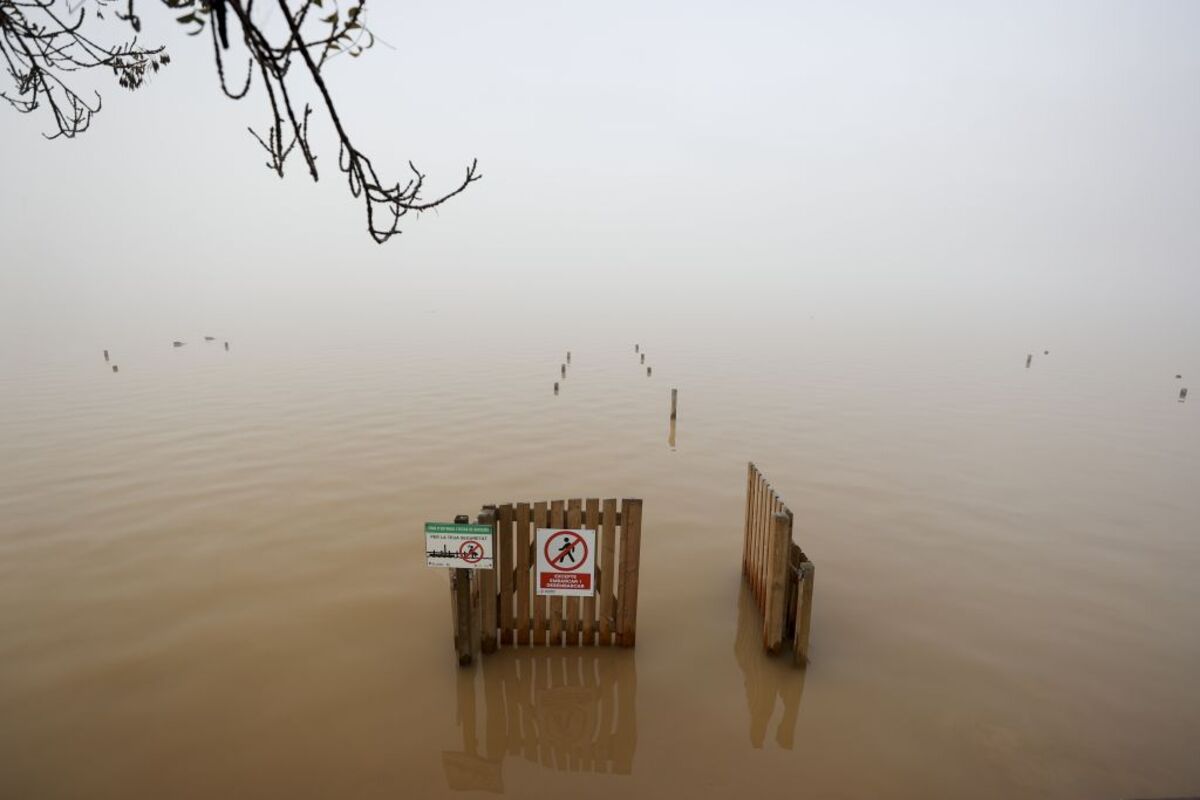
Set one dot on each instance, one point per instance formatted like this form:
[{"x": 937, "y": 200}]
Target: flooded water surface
[{"x": 213, "y": 582}]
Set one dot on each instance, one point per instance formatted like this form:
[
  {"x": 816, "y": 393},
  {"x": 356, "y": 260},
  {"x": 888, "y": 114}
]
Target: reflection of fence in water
[
  {"x": 574, "y": 712},
  {"x": 766, "y": 680}
]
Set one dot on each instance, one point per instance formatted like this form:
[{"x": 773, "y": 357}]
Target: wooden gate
[
  {"x": 499, "y": 607},
  {"x": 779, "y": 573}
]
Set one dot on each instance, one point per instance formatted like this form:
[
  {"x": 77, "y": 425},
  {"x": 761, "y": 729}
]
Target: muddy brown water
[{"x": 213, "y": 582}]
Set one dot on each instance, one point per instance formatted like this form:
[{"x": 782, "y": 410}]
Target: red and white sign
[{"x": 566, "y": 562}]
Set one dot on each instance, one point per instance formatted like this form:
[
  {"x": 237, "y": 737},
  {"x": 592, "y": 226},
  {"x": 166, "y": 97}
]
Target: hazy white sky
[{"x": 1027, "y": 163}]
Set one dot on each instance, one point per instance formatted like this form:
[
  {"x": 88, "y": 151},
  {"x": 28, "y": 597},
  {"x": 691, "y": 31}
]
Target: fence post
[
  {"x": 631, "y": 548},
  {"x": 804, "y": 597},
  {"x": 460, "y": 607},
  {"x": 777, "y": 575}
]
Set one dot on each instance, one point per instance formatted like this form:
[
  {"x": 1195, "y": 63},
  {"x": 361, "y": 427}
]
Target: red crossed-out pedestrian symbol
[
  {"x": 470, "y": 551},
  {"x": 566, "y": 551}
]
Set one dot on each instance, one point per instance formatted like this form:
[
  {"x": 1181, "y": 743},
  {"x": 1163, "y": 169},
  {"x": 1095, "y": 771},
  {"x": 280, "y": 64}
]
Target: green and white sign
[{"x": 458, "y": 546}]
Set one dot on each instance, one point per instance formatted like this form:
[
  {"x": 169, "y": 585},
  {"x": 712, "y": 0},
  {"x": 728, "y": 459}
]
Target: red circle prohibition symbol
[
  {"x": 573, "y": 541},
  {"x": 470, "y": 551}
]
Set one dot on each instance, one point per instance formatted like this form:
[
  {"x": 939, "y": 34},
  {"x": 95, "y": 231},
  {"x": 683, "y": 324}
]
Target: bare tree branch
[{"x": 42, "y": 44}]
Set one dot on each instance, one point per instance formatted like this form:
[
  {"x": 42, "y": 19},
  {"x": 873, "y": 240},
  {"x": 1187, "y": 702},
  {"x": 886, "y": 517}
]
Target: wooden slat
[
  {"x": 746, "y": 532},
  {"x": 591, "y": 520},
  {"x": 631, "y": 546},
  {"x": 748, "y": 556},
  {"x": 777, "y": 577},
  {"x": 540, "y": 520},
  {"x": 556, "y": 603},
  {"x": 768, "y": 545},
  {"x": 761, "y": 513},
  {"x": 763, "y": 502},
  {"x": 487, "y": 581},
  {"x": 608, "y": 559},
  {"x": 504, "y": 566},
  {"x": 571, "y": 627},
  {"x": 755, "y": 525},
  {"x": 522, "y": 574}
]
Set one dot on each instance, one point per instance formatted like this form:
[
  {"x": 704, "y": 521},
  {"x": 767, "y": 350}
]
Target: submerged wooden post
[
  {"x": 564, "y": 370},
  {"x": 460, "y": 604},
  {"x": 568, "y": 356},
  {"x": 1183, "y": 394},
  {"x": 1028, "y": 360},
  {"x": 674, "y": 402},
  {"x": 804, "y": 597},
  {"x": 643, "y": 358},
  {"x": 106, "y": 355}
]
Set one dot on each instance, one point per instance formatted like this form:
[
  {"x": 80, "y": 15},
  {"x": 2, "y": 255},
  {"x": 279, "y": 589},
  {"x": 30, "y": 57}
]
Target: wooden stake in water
[
  {"x": 1028, "y": 360},
  {"x": 106, "y": 355},
  {"x": 1183, "y": 394},
  {"x": 564, "y": 370},
  {"x": 227, "y": 347},
  {"x": 643, "y": 358},
  {"x": 674, "y": 402},
  {"x": 649, "y": 370},
  {"x": 635, "y": 347},
  {"x": 460, "y": 594},
  {"x": 556, "y": 387},
  {"x": 568, "y": 356},
  {"x": 116, "y": 370}
]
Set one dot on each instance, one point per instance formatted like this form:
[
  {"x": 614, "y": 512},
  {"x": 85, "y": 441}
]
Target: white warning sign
[
  {"x": 458, "y": 546},
  {"x": 566, "y": 562}
]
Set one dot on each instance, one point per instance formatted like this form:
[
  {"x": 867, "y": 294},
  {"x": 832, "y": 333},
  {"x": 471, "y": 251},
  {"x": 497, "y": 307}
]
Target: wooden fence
[
  {"x": 570, "y": 711},
  {"x": 779, "y": 573},
  {"x": 499, "y": 607}
]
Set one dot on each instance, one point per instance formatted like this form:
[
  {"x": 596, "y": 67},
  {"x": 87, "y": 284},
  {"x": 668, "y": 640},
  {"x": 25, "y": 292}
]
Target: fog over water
[{"x": 838, "y": 231}]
